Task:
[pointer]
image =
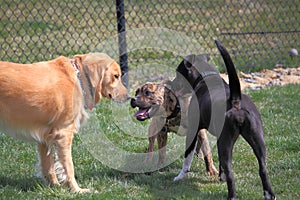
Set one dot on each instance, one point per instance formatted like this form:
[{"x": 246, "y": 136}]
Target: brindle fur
[{"x": 160, "y": 95}]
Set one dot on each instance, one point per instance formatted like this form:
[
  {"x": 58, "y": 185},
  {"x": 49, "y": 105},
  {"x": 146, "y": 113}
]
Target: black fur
[{"x": 225, "y": 112}]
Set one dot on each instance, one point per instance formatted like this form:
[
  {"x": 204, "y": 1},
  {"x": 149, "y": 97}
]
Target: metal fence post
[{"x": 123, "y": 58}]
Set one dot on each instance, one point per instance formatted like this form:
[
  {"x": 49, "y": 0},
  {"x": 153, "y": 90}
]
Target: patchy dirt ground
[
  {"x": 254, "y": 81},
  {"x": 276, "y": 76}
]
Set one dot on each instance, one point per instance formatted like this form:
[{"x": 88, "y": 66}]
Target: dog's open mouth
[
  {"x": 146, "y": 113},
  {"x": 142, "y": 114}
]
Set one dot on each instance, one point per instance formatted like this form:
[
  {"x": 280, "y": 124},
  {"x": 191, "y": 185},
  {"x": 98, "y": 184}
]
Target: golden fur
[{"x": 46, "y": 102}]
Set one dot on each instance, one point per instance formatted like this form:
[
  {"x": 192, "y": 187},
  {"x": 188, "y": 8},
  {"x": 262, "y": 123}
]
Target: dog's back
[{"x": 32, "y": 97}]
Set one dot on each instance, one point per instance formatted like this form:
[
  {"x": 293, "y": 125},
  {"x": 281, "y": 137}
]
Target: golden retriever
[{"x": 46, "y": 102}]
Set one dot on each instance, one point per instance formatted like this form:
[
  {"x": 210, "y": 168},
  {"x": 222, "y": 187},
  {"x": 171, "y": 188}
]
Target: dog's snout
[{"x": 133, "y": 102}]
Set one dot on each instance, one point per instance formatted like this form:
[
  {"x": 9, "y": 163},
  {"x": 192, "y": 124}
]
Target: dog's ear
[
  {"x": 189, "y": 60},
  {"x": 204, "y": 57},
  {"x": 80, "y": 58},
  {"x": 187, "y": 64}
]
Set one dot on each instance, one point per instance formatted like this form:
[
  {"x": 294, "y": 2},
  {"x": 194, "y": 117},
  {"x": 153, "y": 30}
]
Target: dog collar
[
  {"x": 175, "y": 111},
  {"x": 202, "y": 76},
  {"x": 88, "y": 98}
]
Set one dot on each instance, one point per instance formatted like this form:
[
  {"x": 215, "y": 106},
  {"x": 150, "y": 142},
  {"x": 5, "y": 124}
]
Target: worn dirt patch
[
  {"x": 256, "y": 80},
  {"x": 276, "y": 76}
]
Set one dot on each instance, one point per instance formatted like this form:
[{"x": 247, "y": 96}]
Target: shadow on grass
[
  {"x": 160, "y": 184},
  {"x": 23, "y": 184}
]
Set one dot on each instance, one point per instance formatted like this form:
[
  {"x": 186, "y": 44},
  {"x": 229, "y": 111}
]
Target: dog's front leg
[
  {"x": 63, "y": 145},
  {"x": 162, "y": 139},
  {"x": 188, "y": 158},
  {"x": 151, "y": 149},
  {"x": 185, "y": 167},
  {"x": 46, "y": 160},
  {"x": 191, "y": 138},
  {"x": 151, "y": 138}
]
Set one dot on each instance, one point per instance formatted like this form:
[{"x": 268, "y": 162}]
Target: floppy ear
[
  {"x": 80, "y": 58},
  {"x": 189, "y": 60},
  {"x": 100, "y": 76}
]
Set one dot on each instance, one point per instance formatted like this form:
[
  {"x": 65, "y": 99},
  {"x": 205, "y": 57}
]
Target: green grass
[
  {"x": 32, "y": 31},
  {"x": 280, "y": 112}
]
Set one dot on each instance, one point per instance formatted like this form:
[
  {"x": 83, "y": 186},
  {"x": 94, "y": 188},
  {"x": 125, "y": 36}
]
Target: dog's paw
[
  {"x": 233, "y": 198},
  {"x": 269, "y": 195},
  {"x": 212, "y": 171},
  {"x": 181, "y": 175},
  {"x": 80, "y": 191}
]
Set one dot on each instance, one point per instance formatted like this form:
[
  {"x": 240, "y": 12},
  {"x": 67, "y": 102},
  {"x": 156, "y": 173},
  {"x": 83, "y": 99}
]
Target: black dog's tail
[{"x": 234, "y": 83}]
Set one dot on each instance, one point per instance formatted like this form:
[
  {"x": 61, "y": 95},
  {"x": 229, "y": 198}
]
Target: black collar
[
  {"x": 175, "y": 111},
  {"x": 201, "y": 78},
  {"x": 173, "y": 115}
]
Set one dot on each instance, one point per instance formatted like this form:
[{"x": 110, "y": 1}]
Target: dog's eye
[
  {"x": 117, "y": 76},
  {"x": 147, "y": 93}
]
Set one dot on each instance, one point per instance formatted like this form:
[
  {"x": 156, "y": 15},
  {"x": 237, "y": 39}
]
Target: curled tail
[{"x": 234, "y": 83}]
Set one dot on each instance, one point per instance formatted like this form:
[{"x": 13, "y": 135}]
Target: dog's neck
[
  {"x": 175, "y": 111},
  {"x": 86, "y": 86},
  {"x": 176, "y": 108},
  {"x": 198, "y": 82}
]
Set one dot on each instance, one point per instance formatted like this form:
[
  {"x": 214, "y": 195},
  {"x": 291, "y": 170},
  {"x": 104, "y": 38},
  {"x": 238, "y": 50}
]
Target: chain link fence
[{"x": 258, "y": 33}]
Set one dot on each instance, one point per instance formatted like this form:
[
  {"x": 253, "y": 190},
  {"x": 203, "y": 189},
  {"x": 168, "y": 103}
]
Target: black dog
[{"x": 223, "y": 111}]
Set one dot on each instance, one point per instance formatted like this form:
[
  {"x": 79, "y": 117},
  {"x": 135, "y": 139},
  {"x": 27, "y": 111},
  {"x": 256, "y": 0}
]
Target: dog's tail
[{"x": 234, "y": 83}]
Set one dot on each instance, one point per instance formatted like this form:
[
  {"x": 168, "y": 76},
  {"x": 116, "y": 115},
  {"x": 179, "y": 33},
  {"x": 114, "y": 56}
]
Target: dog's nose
[{"x": 133, "y": 102}]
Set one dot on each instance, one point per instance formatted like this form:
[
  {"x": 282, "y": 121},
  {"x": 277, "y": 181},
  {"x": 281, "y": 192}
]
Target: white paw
[{"x": 181, "y": 175}]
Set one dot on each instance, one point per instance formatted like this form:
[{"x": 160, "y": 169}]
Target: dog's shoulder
[
  {"x": 60, "y": 66},
  {"x": 60, "y": 62}
]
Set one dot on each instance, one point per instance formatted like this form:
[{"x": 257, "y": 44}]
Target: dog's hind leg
[
  {"x": 255, "y": 139},
  {"x": 162, "y": 139},
  {"x": 225, "y": 145},
  {"x": 46, "y": 160}
]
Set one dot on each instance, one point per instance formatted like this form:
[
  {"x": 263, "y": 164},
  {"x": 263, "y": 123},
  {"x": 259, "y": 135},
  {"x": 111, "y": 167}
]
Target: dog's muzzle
[
  {"x": 133, "y": 102},
  {"x": 143, "y": 113}
]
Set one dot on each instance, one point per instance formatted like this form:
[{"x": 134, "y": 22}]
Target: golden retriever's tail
[{"x": 234, "y": 82}]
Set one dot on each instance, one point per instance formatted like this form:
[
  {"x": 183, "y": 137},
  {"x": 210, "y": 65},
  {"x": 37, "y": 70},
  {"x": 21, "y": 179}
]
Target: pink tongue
[{"x": 141, "y": 113}]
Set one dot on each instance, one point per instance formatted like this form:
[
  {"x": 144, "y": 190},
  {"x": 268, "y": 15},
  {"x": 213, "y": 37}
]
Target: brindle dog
[{"x": 169, "y": 114}]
